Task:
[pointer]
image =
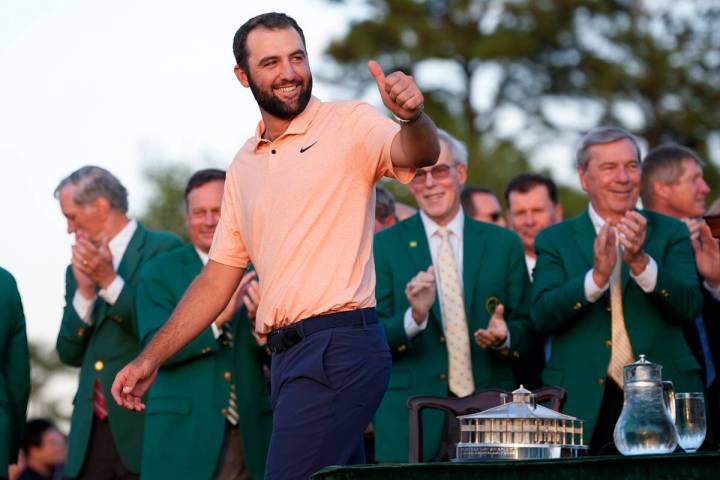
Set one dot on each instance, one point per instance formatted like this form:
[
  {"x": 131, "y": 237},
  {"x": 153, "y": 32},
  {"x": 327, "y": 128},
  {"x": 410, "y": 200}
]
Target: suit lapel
[
  {"x": 473, "y": 251},
  {"x": 416, "y": 245},
  {"x": 132, "y": 256},
  {"x": 191, "y": 262},
  {"x": 584, "y": 234},
  {"x": 126, "y": 269}
]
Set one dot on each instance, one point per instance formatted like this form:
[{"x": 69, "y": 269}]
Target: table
[{"x": 657, "y": 467}]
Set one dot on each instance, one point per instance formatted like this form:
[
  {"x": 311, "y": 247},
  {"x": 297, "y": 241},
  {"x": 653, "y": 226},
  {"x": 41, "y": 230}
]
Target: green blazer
[
  {"x": 14, "y": 371},
  {"x": 493, "y": 271},
  {"x": 581, "y": 330},
  {"x": 185, "y": 420},
  {"x": 103, "y": 348}
]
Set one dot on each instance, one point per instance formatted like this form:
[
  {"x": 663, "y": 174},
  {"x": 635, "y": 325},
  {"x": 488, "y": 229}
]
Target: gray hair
[
  {"x": 458, "y": 150},
  {"x": 93, "y": 182},
  {"x": 600, "y": 136}
]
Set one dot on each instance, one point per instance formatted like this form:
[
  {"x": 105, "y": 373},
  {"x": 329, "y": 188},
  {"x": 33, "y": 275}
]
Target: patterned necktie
[
  {"x": 621, "y": 353},
  {"x": 454, "y": 321},
  {"x": 232, "y": 415},
  {"x": 99, "y": 405}
]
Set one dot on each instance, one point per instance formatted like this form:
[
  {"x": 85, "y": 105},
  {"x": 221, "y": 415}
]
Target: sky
[{"x": 120, "y": 85}]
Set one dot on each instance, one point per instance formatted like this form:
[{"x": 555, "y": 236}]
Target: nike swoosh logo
[{"x": 303, "y": 150}]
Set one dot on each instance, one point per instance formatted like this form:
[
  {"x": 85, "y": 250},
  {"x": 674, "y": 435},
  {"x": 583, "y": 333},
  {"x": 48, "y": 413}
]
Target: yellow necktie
[
  {"x": 453, "y": 313},
  {"x": 621, "y": 353}
]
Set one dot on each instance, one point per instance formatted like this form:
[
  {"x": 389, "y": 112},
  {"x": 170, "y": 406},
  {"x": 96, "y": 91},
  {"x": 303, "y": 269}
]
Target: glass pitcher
[{"x": 644, "y": 426}]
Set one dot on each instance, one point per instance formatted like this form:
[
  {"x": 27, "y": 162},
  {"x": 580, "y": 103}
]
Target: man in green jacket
[
  {"x": 611, "y": 284},
  {"x": 98, "y": 332},
  {"x": 208, "y": 412},
  {"x": 14, "y": 371},
  {"x": 462, "y": 338}
]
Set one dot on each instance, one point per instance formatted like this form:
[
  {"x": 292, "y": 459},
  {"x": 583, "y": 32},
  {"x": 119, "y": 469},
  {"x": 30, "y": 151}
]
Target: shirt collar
[
  {"x": 119, "y": 243},
  {"x": 298, "y": 125},
  {"x": 595, "y": 218},
  {"x": 203, "y": 256},
  {"x": 455, "y": 225}
]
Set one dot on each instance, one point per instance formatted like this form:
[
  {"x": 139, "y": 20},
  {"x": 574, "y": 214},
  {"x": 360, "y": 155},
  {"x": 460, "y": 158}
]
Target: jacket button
[
  {"x": 664, "y": 293},
  {"x": 443, "y": 376},
  {"x": 117, "y": 318},
  {"x": 608, "y": 344},
  {"x": 205, "y": 350},
  {"x": 516, "y": 354},
  {"x": 227, "y": 376},
  {"x": 401, "y": 348},
  {"x": 99, "y": 365},
  {"x": 577, "y": 306},
  {"x": 441, "y": 339},
  {"x": 80, "y": 332},
  {"x": 224, "y": 412},
  {"x": 601, "y": 381}
]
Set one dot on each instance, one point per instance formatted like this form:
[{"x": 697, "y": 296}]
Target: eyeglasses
[{"x": 438, "y": 172}]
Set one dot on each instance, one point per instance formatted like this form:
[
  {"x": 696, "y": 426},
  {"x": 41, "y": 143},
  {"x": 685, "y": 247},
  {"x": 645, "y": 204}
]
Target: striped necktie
[{"x": 99, "y": 404}]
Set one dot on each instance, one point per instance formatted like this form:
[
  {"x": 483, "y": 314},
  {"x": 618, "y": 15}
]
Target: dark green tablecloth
[{"x": 675, "y": 466}]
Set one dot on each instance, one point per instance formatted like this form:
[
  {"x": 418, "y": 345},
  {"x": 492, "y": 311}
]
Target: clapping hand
[
  {"x": 496, "y": 332},
  {"x": 420, "y": 292}
]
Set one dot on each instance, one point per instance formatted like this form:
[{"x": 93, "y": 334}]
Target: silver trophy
[{"x": 519, "y": 430}]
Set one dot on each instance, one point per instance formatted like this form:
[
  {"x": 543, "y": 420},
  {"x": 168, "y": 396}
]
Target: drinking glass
[{"x": 690, "y": 420}]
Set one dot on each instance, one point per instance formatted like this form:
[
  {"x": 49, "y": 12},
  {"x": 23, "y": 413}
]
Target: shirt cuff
[
  {"x": 112, "y": 292},
  {"x": 715, "y": 292},
  {"x": 83, "y": 307},
  {"x": 411, "y": 326},
  {"x": 648, "y": 277},
  {"x": 217, "y": 331},
  {"x": 592, "y": 291}
]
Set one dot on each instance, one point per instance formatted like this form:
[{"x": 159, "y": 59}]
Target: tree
[
  {"x": 551, "y": 68},
  {"x": 165, "y": 209},
  {"x": 48, "y": 377}
]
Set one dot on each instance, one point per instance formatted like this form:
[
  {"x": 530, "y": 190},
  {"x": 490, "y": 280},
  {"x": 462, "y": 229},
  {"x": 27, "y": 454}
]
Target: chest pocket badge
[{"x": 491, "y": 304}]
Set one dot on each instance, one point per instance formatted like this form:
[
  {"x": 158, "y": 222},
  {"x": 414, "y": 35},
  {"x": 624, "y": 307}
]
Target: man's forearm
[
  {"x": 419, "y": 143},
  {"x": 206, "y": 297}
]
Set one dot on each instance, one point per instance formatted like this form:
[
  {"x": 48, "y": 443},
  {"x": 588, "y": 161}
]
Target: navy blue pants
[{"x": 325, "y": 391}]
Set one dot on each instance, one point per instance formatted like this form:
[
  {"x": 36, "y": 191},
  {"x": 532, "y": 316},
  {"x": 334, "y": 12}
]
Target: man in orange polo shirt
[{"x": 299, "y": 205}]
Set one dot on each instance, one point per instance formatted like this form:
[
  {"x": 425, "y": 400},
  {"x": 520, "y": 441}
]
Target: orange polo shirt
[{"x": 301, "y": 209}]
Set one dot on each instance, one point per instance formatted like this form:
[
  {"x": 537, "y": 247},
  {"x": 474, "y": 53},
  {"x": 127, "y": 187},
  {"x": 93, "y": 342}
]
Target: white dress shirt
[
  {"x": 455, "y": 230},
  {"x": 645, "y": 280},
  {"x": 530, "y": 264},
  {"x": 455, "y": 236},
  {"x": 117, "y": 246}
]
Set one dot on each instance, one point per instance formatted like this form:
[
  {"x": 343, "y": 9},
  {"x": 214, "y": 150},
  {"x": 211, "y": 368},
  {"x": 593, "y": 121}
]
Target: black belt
[{"x": 282, "y": 339}]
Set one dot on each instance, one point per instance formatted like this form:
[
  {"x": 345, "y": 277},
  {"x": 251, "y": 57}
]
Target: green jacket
[
  {"x": 105, "y": 347},
  {"x": 493, "y": 271},
  {"x": 184, "y": 419},
  {"x": 14, "y": 371},
  {"x": 581, "y": 330}
]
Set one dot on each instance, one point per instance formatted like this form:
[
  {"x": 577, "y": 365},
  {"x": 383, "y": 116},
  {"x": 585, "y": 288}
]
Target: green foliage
[
  {"x": 165, "y": 209},
  {"x": 651, "y": 67},
  {"x": 45, "y": 367}
]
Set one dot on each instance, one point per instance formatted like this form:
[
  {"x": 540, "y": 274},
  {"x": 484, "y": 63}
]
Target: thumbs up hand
[{"x": 398, "y": 91}]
